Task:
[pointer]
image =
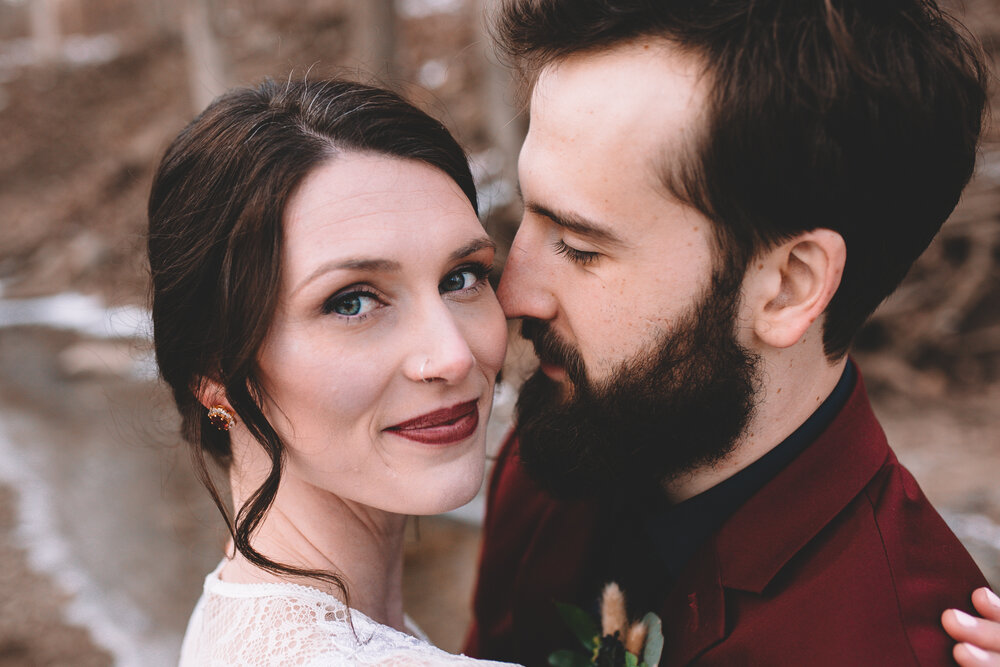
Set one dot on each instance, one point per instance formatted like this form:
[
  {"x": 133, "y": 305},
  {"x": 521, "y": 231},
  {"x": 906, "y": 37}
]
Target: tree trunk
[
  {"x": 376, "y": 37},
  {"x": 506, "y": 124},
  {"x": 207, "y": 76},
  {"x": 158, "y": 16},
  {"x": 44, "y": 16}
]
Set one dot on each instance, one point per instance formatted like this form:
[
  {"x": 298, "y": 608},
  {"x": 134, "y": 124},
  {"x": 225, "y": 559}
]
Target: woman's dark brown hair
[{"x": 215, "y": 242}]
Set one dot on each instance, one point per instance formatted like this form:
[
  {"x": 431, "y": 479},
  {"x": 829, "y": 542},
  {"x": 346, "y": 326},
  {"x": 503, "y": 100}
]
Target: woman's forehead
[{"x": 364, "y": 208}]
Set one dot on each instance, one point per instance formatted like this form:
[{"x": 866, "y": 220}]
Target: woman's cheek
[
  {"x": 489, "y": 337},
  {"x": 353, "y": 385}
]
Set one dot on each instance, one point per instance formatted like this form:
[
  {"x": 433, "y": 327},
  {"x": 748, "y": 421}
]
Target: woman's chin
[{"x": 448, "y": 497}]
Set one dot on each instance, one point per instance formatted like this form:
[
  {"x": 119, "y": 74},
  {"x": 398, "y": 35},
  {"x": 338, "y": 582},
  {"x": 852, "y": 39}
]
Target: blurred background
[{"x": 105, "y": 536}]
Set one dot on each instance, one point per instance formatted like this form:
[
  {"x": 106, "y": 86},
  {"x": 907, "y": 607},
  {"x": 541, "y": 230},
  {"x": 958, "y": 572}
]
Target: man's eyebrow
[
  {"x": 577, "y": 224},
  {"x": 359, "y": 264},
  {"x": 472, "y": 247}
]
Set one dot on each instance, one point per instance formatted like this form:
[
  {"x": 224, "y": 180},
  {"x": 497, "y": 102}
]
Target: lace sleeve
[
  {"x": 284, "y": 624},
  {"x": 405, "y": 658}
]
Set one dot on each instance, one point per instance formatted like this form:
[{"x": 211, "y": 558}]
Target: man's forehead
[
  {"x": 647, "y": 90},
  {"x": 607, "y": 127}
]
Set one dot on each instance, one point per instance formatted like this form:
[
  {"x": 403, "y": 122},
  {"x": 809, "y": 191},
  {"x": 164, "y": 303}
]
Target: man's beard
[{"x": 666, "y": 411}]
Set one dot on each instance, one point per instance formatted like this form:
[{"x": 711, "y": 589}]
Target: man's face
[
  {"x": 603, "y": 253},
  {"x": 635, "y": 325}
]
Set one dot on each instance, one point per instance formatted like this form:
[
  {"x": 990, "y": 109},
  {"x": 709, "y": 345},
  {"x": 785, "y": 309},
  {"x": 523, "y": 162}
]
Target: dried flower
[
  {"x": 635, "y": 639},
  {"x": 613, "y": 618},
  {"x": 617, "y": 643}
]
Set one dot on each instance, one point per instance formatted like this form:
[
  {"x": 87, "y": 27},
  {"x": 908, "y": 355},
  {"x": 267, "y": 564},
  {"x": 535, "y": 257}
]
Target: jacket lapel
[
  {"x": 756, "y": 542},
  {"x": 785, "y": 515},
  {"x": 694, "y": 614}
]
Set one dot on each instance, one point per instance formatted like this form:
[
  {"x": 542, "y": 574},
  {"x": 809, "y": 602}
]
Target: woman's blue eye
[
  {"x": 459, "y": 280},
  {"x": 352, "y": 305}
]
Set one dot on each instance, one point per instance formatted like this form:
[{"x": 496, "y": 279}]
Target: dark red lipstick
[{"x": 441, "y": 427}]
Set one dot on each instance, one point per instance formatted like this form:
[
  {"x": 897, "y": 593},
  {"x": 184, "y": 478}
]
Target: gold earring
[{"x": 221, "y": 417}]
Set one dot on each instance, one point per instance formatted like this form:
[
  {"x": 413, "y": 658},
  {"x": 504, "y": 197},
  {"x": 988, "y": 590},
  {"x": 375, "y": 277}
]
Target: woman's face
[{"x": 384, "y": 285}]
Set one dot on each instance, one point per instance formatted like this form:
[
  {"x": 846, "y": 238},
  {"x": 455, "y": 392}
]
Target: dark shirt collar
[{"x": 678, "y": 531}]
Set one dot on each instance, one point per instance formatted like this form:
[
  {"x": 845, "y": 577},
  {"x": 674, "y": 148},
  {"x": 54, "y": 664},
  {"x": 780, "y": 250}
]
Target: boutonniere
[{"x": 617, "y": 643}]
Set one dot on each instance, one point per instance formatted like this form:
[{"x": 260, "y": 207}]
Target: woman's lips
[{"x": 441, "y": 427}]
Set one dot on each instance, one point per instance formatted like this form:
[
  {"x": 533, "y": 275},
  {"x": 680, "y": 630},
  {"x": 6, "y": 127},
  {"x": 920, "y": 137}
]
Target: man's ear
[{"x": 789, "y": 286}]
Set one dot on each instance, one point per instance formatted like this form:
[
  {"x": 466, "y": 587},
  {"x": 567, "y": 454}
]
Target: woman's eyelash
[
  {"x": 574, "y": 255},
  {"x": 479, "y": 272},
  {"x": 478, "y": 269}
]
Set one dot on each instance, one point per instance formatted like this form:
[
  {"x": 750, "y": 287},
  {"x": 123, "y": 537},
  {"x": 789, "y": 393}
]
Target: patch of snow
[
  {"x": 84, "y": 314},
  {"x": 974, "y": 527},
  {"x": 90, "y": 49},
  {"x": 75, "y": 50},
  {"x": 415, "y": 9}
]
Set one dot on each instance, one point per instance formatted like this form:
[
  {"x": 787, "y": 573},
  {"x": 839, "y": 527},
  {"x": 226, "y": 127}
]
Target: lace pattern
[{"x": 257, "y": 625}]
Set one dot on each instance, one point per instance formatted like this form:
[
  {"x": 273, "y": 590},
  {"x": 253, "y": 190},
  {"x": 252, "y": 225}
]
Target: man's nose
[{"x": 525, "y": 288}]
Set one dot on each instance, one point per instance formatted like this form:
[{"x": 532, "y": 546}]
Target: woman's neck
[{"x": 311, "y": 528}]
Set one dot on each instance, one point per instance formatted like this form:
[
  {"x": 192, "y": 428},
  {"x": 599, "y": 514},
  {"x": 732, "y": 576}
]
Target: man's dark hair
[{"x": 859, "y": 116}]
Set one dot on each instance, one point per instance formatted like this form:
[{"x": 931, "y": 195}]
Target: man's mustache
[{"x": 550, "y": 349}]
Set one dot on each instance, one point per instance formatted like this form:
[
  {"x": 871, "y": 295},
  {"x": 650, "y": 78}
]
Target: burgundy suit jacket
[{"x": 838, "y": 560}]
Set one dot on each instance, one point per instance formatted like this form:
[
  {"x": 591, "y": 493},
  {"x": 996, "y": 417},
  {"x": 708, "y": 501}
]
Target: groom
[{"x": 717, "y": 194}]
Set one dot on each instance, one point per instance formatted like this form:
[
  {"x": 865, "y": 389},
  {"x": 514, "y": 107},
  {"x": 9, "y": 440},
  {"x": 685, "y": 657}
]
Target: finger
[
  {"x": 968, "y": 655},
  {"x": 987, "y": 603},
  {"x": 967, "y": 628}
]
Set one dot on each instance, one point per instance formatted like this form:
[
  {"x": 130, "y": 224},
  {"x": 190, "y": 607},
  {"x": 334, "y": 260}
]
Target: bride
[{"x": 322, "y": 314}]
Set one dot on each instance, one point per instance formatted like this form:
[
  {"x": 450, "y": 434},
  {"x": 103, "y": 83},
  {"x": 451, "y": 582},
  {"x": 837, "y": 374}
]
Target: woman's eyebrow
[
  {"x": 355, "y": 264},
  {"x": 388, "y": 265},
  {"x": 471, "y": 247}
]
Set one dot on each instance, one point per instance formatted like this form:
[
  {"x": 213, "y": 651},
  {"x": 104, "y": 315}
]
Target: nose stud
[{"x": 422, "y": 367}]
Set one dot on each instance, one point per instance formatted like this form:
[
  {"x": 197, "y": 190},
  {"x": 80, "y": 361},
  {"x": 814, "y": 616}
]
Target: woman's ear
[
  {"x": 210, "y": 393},
  {"x": 789, "y": 286},
  {"x": 212, "y": 397}
]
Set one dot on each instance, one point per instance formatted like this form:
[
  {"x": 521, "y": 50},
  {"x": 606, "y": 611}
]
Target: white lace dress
[{"x": 258, "y": 625}]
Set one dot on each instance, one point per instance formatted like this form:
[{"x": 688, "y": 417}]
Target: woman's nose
[{"x": 442, "y": 352}]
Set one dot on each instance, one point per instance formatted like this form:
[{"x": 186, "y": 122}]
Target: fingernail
[
  {"x": 992, "y": 597},
  {"x": 977, "y": 653},
  {"x": 964, "y": 619}
]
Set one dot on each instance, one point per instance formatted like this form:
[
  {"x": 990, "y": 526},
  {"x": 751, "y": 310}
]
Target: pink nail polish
[
  {"x": 964, "y": 619},
  {"x": 992, "y": 597},
  {"x": 977, "y": 653}
]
